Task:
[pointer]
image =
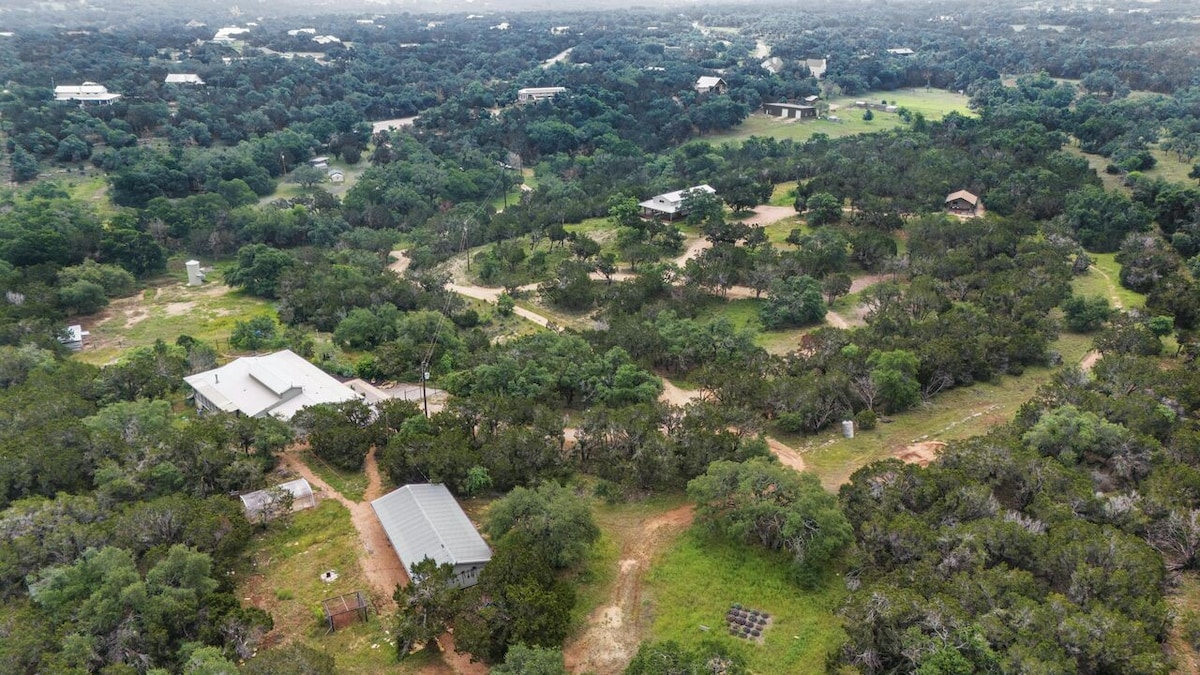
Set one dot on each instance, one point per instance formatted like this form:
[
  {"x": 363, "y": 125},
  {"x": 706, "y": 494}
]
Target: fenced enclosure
[{"x": 344, "y": 610}]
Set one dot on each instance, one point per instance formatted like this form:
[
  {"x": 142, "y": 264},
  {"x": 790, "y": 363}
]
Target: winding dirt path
[
  {"x": 401, "y": 262},
  {"x": 615, "y": 628},
  {"x": 1112, "y": 289},
  {"x": 676, "y": 396},
  {"x": 787, "y": 456},
  {"x": 1089, "y": 360},
  {"x": 378, "y": 561}
]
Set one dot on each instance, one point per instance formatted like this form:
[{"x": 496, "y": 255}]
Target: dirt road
[
  {"x": 675, "y": 396},
  {"x": 617, "y": 627},
  {"x": 377, "y": 559},
  {"x": 787, "y": 456},
  {"x": 401, "y": 262}
]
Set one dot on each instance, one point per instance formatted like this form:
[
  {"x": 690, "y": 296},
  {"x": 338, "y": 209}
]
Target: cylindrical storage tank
[
  {"x": 195, "y": 278},
  {"x": 848, "y": 428}
]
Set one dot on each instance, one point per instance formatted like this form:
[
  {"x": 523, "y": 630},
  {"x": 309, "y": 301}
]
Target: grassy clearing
[
  {"x": 496, "y": 326},
  {"x": 952, "y": 415},
  {"x": 1097, "y": 164},
  {"x": 288, "y": 561},
  {"x": 783, "y": 194},
  {"x": 758, "y": 124},
  {"x": 592, "y": 226},
  {"x": 1169, "y": 167},
  {"x": 351, "y": 484},
  {"x": 1105, "y": 278},
  {"x": 530, "y": 178},
  {"x": 696, "y": 581},
  {"x": 164, "y": 311},
  {"x": 778, "y": 231},
  {"x": 742, "y": 313},
  {"x": 933, "y": 104}
]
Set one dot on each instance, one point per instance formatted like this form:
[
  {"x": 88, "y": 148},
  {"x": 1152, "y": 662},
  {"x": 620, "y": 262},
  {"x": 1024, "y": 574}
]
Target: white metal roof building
[
  {"x": 670, "y": 205},
  {"x": 422, "y": 520},
  {"x": 707, "y": 83},
  {"x": 530, "y": 94},
  {"x": 259, "y": 504},
  {"x": 278, "y": 384},
  {"x": 183, "y": 78},
  {"x": 88, "y": 92}
]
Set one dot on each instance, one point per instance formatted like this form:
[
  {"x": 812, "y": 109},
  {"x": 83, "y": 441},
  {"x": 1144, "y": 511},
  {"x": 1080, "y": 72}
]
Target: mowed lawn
[
  {"x": 934, "y": 104},
  {"x": 701, "y": 576}
]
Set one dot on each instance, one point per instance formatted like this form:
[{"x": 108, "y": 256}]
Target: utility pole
[{"x": 424, "y": 399}]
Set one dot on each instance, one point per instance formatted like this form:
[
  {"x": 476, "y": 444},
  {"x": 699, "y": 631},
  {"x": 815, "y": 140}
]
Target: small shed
[
  {"x": 336, "y": 176},
  {"x": 263, "y": 505},
  {"x": 74, "y": 337}
]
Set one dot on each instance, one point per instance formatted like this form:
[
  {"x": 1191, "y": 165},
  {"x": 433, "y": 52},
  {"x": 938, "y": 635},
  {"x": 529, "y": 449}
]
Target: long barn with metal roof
[{"x": 423, "y": 520}]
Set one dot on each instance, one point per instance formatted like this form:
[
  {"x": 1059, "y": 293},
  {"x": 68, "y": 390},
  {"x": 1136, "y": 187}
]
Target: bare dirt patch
[
  {"x": 675, "y": 396},
  {"x": 401, "y": 262},
  {"x": 617, "y": 627},
  {"x": 866, "y": 281},
  {"x": 834, "y": 319},
  {"x": 787, "y": 456},
  {"x": 765, "y": 214},
  {"x": 178, "y": 308},
  {"x": 922, "y": 453}
]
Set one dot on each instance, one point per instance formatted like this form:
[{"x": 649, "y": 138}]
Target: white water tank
[
  {"x": 848, "y": 428},
  {"x": 195, "y": 276}
]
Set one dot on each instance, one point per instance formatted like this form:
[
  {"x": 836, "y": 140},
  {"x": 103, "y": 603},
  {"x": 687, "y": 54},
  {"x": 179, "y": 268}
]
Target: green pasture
[
  {"x": 701, "y": 576},
  {"x": 934, "y": 104}
]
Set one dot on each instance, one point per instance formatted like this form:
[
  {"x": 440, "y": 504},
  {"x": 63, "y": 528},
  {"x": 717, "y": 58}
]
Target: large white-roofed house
[
  {"x": 423, "y": 520},
  {"x": 278, "y": 384},
  {"x": 88, "y": 92},
  {"x": 183, "y": 78},
  {"x": 533, "y": 94}
]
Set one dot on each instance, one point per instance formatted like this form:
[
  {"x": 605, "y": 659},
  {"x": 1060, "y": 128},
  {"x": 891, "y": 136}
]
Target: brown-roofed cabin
[{"x": 962, "y": 202}]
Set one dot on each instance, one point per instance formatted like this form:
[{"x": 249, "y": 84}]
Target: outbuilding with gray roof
[{"x": 423, "y": 520}]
